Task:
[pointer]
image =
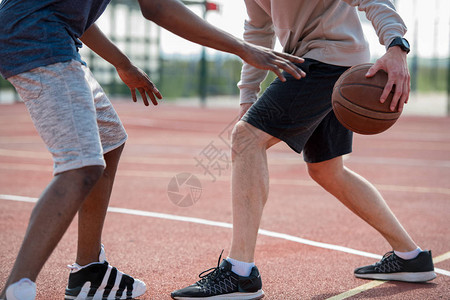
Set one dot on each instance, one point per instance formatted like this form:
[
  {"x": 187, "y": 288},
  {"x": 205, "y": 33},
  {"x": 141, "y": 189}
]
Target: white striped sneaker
[{"x": 101, "y": 281}]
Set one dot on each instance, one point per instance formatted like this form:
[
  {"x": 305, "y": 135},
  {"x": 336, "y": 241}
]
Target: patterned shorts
[{"x": 71, "y": 113}]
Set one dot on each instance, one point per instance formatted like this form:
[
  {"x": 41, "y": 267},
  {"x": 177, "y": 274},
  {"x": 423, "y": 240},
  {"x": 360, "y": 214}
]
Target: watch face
[{"x": 405, "y": 43}]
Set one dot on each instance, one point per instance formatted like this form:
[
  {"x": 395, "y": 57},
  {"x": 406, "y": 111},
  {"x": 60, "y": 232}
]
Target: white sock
[
  {"x": 408, "y": 255},
  {"x": 24, "y": 289},
  {"x": 241, "y": 268},
  {"x": 102, "y": 255}
]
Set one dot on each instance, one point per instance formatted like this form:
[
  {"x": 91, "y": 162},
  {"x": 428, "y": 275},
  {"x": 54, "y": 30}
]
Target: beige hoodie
[{"x": 325, "y": 30}]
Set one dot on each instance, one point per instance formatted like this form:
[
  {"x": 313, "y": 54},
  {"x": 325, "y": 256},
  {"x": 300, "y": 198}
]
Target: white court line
[
  {"x": 357, "y": 290},
  {"x": 274, "y": 234}
]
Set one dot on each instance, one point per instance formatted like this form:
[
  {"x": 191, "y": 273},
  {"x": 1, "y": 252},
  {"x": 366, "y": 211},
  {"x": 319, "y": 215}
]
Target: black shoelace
[
  {"x": 211, "y": 273},
  {"x": 388, "y": 256}
]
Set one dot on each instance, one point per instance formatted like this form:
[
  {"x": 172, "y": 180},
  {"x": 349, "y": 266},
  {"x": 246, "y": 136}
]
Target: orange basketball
[{"x": 356, "y": 101}]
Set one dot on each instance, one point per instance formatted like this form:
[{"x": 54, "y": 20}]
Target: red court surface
[{"x": 310, "y": 243}]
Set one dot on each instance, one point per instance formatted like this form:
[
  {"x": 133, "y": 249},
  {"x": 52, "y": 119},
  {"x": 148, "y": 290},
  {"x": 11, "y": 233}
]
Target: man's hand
[
  {"x": 395, "y": 64},
  {"x": 267, "y": 59},
  {"x": 135, "y": 78},
  {"x": 131, "y": 75}
]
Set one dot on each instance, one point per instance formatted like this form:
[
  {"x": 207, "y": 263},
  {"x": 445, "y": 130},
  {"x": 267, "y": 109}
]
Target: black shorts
[{"x": 299, "y": 113}]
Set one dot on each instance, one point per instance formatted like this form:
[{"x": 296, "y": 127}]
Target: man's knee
[
  {"x": 91, "y": 175},
  {"x": 325, "y": 172},
  {"x": 86, "y": 177},
  {"x": 242, "y": 137},
  {"x": 315, "y": 172},
  {"x": 246, "y": 137}
]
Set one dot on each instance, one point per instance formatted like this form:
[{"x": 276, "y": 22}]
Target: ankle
[
  {"x": 241, "y": 268},
  {"x": 85, "y": 260},
  {"x": 409, "y": 254},
  {"x": 86, "y": 257}
]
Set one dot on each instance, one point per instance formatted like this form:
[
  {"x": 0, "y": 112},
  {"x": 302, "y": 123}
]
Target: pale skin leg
[
  {"x": 86, "y": 190},
  {"x": 250, "y": 186},
  {"x": 363, "y": 199}
]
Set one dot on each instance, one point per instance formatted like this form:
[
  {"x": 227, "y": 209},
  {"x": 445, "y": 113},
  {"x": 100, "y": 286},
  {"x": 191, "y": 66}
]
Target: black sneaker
[
  {"x": 101, "y": 281},
  {"x": 222, "y": 283},
  {"x": 392, "y": 267}
]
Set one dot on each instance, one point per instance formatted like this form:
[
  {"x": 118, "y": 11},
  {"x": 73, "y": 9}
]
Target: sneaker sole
[
  {"x": 238, "y": 296},
  {"x": 405, "y": 276}
]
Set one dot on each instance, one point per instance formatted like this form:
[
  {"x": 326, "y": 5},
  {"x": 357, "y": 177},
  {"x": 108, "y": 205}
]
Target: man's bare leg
[
  {"x": 250, "y": 187},
  {"x": 92, "y": 213},
  {"x": 362, "y": 198},
  {"x": 50, "y": 219}
]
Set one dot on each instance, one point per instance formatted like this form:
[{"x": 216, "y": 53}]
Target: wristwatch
[{"x": 401, "y": 42}]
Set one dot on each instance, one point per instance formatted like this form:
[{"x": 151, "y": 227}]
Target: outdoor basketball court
[{"x": 170, "y": 212}]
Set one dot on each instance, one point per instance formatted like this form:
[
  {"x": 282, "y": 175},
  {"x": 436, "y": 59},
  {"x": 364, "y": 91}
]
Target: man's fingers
[
  {"x": 133, "y": 94},
  {"x": 401, "y": 103},
  {"x": 387, "y": 90},
  {"x": 373, "y": 70},
  {"x": 290, "y": 57},
  {"x": 152, "y": 97},
  {"x": 397, "y": 96},
  {"x": 407, "y": 89},
  {"x": 290, "y": 68},
  {"x": 277, "y": 71},
  {"x": 396, "y": 102},
  {"x": 144, "y": 97},
  {"x": 287, "y": 64},
  {"x": 157, "y": 93},
  {"x": 154, "y": 90},
  {"x": 401, "y": 93},
  {"x": 404, "y": 97}
]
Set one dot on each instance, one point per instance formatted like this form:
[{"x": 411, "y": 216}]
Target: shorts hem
[
  {"x": 329, "y": 157},
  {"x": 254, "y": 123},
  {"x": 79, "y": 164},
  {"x": 258, "y": 125},
  {"x": 116, "y": 145}
]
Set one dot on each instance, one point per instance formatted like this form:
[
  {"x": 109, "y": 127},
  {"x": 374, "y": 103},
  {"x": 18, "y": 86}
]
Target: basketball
[{"x": 356, "y": 101}]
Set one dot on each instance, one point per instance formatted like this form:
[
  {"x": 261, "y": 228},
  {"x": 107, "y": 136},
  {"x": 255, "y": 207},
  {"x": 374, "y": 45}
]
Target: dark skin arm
[
  {"x": 131, "y": 75},
  {"x": 175, "y": 17}
]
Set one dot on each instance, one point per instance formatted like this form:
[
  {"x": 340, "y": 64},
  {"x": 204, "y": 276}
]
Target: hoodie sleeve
[
  {"x": 385, "y": 20},
  {"x": 258, "y": 30}
]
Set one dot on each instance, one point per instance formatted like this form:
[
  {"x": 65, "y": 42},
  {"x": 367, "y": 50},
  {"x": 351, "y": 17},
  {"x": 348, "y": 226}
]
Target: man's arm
[
  {"x": 388, "y": 25},
  {"x": 131, "y": 75},
  {"x": 177, "y": 18}
]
